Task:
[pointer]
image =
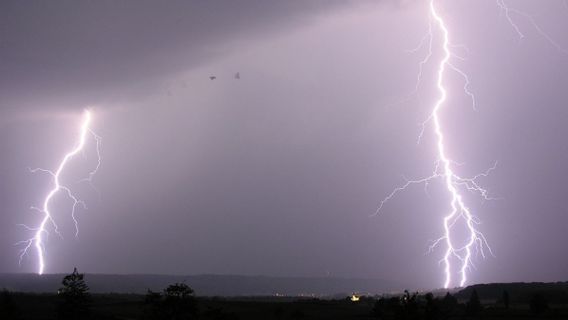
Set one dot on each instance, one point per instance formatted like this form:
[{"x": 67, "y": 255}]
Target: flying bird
[
  {"x": 237, "y": 75},
  {"x": 212, "y": 77}
]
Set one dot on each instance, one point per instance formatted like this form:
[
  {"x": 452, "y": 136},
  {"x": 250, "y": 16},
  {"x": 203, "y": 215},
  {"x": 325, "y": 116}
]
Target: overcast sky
[{"x": 280, "y": 171}]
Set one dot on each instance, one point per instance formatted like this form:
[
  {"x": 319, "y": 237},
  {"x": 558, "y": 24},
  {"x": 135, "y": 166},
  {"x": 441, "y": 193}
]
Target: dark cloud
[{"x": 83, "y": 52}]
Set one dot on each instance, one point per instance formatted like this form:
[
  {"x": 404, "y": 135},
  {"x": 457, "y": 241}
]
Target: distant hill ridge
[{"x": 205, "y": 285}]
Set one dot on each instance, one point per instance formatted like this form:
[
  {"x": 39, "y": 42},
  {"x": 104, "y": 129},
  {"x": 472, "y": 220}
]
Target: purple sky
[{"x": 278, "y": 173}]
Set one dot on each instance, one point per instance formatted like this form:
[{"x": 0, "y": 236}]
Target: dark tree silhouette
[
  {"x": 177, "y": 302},
  {"x": 506, "y": 299},
  {"x": 180, "y": 302},
  {"x": 409, "y": 306},
  {"x": 538, "y": 303},
  {"x": 473, "y": 306},
  {"x": 75, "y": 298}
]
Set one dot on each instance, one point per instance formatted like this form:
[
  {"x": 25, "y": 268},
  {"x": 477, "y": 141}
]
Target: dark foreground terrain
[
  {"x": 33, "y": 306},
  {"x": 122, "y": 306},
  {"x": 73, "y": 299}
]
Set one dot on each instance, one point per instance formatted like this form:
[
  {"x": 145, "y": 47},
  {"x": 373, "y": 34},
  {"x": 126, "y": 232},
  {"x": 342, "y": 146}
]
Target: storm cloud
[{"x": 279, "y": 172}]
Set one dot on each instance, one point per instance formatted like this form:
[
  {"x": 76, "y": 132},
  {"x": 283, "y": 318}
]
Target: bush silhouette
[
  {"x": 175, "y": 303},
  {"x": 75, "y": 298}
]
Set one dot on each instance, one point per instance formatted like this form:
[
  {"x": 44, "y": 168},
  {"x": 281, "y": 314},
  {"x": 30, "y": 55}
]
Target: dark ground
[
  {"x": 486, "y": 301},
  {"x": 121, "y": 306}
]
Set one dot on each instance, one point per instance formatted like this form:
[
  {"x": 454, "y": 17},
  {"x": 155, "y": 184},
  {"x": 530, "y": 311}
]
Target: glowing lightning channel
[
  {"x": 41, "y": 230},
  {"x": 443, "y": 169},
  {"x": 458, "y": 207}
]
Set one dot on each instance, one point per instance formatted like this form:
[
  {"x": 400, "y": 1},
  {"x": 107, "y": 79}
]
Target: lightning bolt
[
  {"x": 40, "y": 232},
  {"x": 444, "y": 165},
  {"x": 508, "y": 11},
  {"x": 459, "y": 211}
]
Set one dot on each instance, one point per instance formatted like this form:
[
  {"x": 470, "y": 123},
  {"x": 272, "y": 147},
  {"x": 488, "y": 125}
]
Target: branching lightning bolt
[
  {"x": 40, "y": 232},
  {"x": 459, "y": 211},
  {"x": 443, "y": 169}
]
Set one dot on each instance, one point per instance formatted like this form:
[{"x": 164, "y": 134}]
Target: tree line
[
  {"x": 427, "y": 307},
  {"x": 176, "y": 302}
]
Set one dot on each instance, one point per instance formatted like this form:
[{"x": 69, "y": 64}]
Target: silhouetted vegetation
[
  {"x": 74, "y": 297},
  {"x": 430, "y": 307},
  {"x": 178, "y": 301},
  {"x": 415, "y": 306},
  {"x": 175, "y": 303}
]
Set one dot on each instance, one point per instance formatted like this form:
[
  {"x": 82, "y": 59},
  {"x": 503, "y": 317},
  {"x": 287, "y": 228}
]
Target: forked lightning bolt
[
  {"x": 459, "y": 212},
  {"x": 41, "y": 232},
  {"x": 459, "y": 209}
]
